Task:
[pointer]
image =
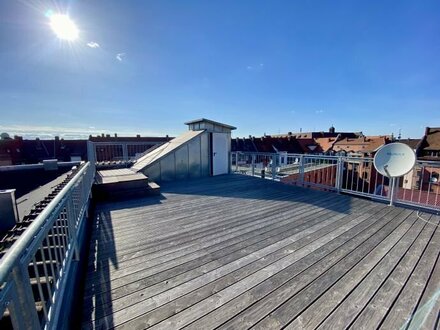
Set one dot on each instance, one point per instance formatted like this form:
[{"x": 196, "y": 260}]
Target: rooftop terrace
[{"x": 237, "y": 252}]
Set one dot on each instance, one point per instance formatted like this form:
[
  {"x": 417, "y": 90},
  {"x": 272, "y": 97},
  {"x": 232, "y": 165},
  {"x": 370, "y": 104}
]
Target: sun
[{"x": 64, "y": 27}]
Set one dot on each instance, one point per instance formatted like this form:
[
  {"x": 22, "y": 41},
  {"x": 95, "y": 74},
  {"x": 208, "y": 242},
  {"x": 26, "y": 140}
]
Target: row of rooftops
[
  {"x": 320, "y": 145},
  {"x": 17, "y": 150},
  {"x": 332, "y": 142}
]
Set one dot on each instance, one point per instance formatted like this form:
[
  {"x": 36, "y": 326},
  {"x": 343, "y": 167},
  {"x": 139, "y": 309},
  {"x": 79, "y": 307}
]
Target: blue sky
[{"x": 263, "y": 66}]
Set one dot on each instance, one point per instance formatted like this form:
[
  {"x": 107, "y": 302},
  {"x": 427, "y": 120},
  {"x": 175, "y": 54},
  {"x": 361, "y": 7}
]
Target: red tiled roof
[
  {"x": 309, "y": 146},
  {"x": 364, "y": 144},
  {"x": 412, "y": 143},
  {"x": 326, "y": 143}
]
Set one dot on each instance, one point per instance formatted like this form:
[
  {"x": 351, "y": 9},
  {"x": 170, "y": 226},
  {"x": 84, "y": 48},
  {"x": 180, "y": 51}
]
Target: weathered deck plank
[
  {"x": 216, "y": 293},
  {"x": 332, "y": 265},
  {"x": 219, "y": 257},
  {"x": 405, "y": 305},
  {"x": 354, "y": 290},
  {"x": 236, "y": 252},
  {"x": 373, "y": 313}
]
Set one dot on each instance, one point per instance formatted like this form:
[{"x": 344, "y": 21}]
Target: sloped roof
[
  {"x": 267, "y": 144},
  {"x": 243, "y": 144},
  {"x": 289, "y": 144},
  {"x": 432, "y": 139},
  {"x": 164, "y": 150},
  {"x": 412, "y": 143},
  {"x": 310, "y": 135},
  {"x": 309, "y": 145},
  {"x": 326, "y": 143},
  {"x": 365, "y": 144}
]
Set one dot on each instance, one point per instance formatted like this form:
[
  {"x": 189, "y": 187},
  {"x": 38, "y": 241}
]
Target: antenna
[{"x": 394, "y": 160}]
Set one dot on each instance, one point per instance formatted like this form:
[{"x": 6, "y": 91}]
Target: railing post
[
  {"x": 301, "y": 170},
  {"x": 25, "y": 303},
  {"x": 236, "y": 162},
  {"x": 339, "y": 174},
  {"x": 253, "y": 164},
  {"x": 274, "y": 166}
]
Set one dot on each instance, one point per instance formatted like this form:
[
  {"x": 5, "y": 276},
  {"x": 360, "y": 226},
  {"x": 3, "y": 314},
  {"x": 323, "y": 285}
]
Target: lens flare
[{"x": 64, "y": 27}]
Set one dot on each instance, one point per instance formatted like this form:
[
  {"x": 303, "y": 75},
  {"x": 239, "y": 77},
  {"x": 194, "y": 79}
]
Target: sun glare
[{"x": 64, "y": 27}]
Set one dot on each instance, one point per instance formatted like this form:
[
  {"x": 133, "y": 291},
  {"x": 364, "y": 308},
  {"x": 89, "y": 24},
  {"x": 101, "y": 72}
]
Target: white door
[{"x": 220, "y": 157}]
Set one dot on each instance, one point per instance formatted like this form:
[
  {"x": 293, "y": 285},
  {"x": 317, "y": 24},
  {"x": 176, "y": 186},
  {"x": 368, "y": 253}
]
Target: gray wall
[{"x": 191, "y": 160}]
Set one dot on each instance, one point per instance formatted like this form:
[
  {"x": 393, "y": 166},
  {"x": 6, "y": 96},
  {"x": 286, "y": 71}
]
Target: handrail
[
  {"x": 344, "y": 173},
  {"x": 8, "y": 261},
  {"x": 36, "y": 272}
]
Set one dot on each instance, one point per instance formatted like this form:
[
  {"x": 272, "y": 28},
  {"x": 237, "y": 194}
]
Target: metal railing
[
  {"x": 117, "y": 151},
  {"x": 347, "y": 174},
  {"x": 34, "y": 271}
]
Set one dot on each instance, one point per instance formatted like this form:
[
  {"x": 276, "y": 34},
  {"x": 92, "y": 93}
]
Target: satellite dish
[{"x": 394, "y": 159}]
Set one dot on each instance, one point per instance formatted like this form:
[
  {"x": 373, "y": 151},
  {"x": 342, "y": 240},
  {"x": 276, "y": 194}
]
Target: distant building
[
  {"x": 11, "y": 150},
  {"x": 313, "y": 135},
  {"x": 301, "y": 143},
  {"x": 429, "y": 148},
  {"x": 362, "y": 146},
  {"x": 414, "y": 144},
  {"x": 327, "y": 143},
  {"x": 427, "y": 177},
  {"x": 16, "y": 151}
]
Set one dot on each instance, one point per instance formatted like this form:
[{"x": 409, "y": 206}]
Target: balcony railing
[
  {"x": 35, "y": 271},
  {"x": 118, "y": 151},
  {"x": 351, "y": 175}
]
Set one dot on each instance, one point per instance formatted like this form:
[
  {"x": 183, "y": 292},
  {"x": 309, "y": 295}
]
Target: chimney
[
  {"x": 138, "y": 136},
  {"x": 427, "y": 131},
  {"x": 116, "y": 135},
  {"x": 332, "y": 130},
  {"x": 8, "y": 210}
]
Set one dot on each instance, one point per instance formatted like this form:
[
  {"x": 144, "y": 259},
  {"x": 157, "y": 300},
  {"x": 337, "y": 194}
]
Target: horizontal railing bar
[
  {"x": 353, "y": 175},
  {"x": 25, "y": 167}
]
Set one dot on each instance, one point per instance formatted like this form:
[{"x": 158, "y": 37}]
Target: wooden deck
[{"x": 237, "y": 252}]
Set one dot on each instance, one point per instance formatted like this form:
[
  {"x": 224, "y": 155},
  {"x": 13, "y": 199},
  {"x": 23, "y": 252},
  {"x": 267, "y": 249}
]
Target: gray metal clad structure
[
  {"x": 191, "y": 155},
  {"x": 186, "y": 156}
]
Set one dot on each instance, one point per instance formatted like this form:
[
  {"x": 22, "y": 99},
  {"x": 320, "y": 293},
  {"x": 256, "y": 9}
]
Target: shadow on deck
[{"x": 236, "y": 251}]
